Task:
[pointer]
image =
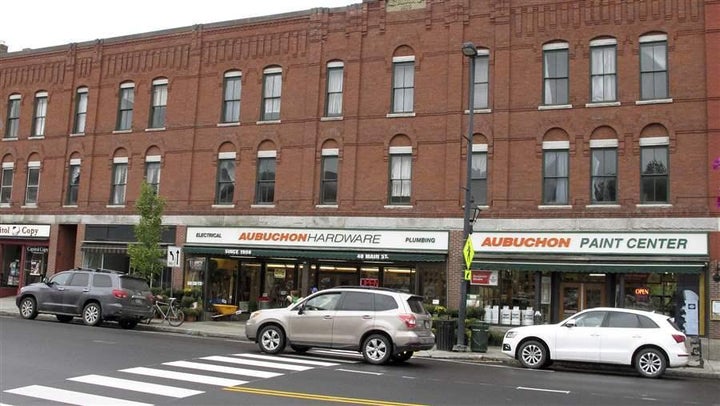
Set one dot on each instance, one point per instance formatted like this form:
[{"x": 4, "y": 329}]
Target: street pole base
[{"x": 460, "y": 348}]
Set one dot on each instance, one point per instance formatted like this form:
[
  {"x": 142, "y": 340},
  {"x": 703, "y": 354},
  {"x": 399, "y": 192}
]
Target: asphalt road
[{"x": 46, "y": 361}]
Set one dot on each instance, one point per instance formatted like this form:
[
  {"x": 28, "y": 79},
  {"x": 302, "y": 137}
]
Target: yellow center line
[{"x": 313, "y": 396}]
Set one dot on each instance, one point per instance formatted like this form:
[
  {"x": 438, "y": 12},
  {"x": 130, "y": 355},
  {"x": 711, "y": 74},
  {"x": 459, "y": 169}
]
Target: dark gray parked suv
[{"x": 93, "y": 294}]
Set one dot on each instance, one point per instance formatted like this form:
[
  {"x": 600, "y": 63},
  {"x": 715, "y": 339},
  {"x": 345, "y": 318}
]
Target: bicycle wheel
[
  {"x": 175, "y": 317},
  {"x": 152, "y": 316}
]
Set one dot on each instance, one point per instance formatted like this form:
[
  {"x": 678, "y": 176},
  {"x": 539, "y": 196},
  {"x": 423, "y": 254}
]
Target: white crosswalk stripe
[
  {"x": 71, "y": 397},
  {"x": 167, "y": 378},
  {"x": 162, "y": 390}
]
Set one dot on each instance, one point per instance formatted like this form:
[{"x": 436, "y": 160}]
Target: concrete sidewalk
[{"x": 235, "y": 330}]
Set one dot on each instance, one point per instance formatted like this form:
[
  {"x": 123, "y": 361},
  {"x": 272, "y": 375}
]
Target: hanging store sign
[
  {"x": 24, "y": 231},
  {"x": 415, "y": 241},
  {"x": 484, "y": 278},
  {"x": 592, "y": 243}
]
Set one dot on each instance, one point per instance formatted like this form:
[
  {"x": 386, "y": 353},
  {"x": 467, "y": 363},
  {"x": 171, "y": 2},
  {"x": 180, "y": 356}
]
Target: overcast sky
[{"x": 44, "y": 23}]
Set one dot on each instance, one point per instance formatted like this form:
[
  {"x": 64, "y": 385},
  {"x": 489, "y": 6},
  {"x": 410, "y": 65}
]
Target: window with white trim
[
  {"x": 6, "y": 183},
  {"x": 654, "y": 170},
  {"x": 653, "y": 67},
  {"x": 555, "y": 74},
  {"x": 478, "y": 174},
  {"x": 272, "y": 90},
  {"x": 334, "y": 97},
  {"x": 152, "y": 172},
  {"x": 32, "y": 188},
  {"x": 73, "y": 182},
  {"x": 603, "y": 171},
  {"x": 81, "y": 106},
  {"x": 265, "y": 187},
  {"x": 555, "y": 172},
  {"x": 329, "y": 176},
  {"x": 41, "y": 104},
  {"x": 403, "y": 84},
  {"x": 232, "y": 90},
  {"x": 12, "y": 128},
  {"x": 225, "y": 183},
  {"x": 482, "y": 80},
  {"x": 119, "y": 181},
  {"x": 158, "y": 106},
  {"x": 400, "y": 175},
  {"x": 125, "y": 108},
  {"x": 603, "y": 70}
]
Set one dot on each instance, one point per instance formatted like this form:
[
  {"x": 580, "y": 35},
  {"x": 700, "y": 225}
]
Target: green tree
[{"x": 146, "y": 257}]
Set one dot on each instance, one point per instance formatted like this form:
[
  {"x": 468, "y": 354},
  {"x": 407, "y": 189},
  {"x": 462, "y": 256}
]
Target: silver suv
[
  {"x": 383, "y": 324},
  {"x": 93, "y": 294}
]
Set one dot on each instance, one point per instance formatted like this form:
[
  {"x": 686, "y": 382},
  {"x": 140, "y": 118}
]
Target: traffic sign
[
  {"x": 468, "y": 275},
  {"x": 173, "y": 256},
  {"x": 468, "y": 252}
]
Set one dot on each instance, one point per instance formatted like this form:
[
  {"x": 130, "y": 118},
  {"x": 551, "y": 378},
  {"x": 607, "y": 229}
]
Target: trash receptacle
[
  {"x": 445, "y": 334},
  {"x": 479, "y": 337}
]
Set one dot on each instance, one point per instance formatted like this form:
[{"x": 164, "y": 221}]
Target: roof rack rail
[{"x": 364, "y": 287}]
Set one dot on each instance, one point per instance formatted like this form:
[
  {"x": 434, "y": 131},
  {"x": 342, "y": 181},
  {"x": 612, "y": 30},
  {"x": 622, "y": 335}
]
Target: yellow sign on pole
[
  {"x": 468, "y": 252},
  {"x": 468, "y": 275}
]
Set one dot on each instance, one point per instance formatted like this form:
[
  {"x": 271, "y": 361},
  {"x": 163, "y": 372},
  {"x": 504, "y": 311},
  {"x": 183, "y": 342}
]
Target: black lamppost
[{"x": 469, "y": 50}]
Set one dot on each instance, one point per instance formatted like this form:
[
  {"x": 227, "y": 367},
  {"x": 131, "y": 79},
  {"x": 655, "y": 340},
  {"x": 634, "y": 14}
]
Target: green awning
[
  {"x": 685, "y": 267},
  {"x": 362, "y": 256}
]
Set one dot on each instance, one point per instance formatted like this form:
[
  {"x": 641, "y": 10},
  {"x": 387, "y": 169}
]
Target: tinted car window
[
  {"x": 327, "y": 301},
  {"x": 80, "y": 279},
  {"x": 385, "y": 302},
  {"x": 645, "y": 322},
  {"x": 102, "y": 281},
  {"x": 623, "y": 320},
  {"x": 61, "y": 278},
  {"x": 134, "y": 284},
  {"x": 358, "y": 301},
  {"x": 416, "y": 305},
  {"x": 590, "y": 319}
]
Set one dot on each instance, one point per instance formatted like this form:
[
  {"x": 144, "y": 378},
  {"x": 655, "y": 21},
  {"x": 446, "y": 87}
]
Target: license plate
[
  {"x": 427, "y": 324},
  {"x": 138, "y": 301}
]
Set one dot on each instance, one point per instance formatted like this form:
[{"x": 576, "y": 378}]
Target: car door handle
[
  {"x": 327, "y": 317},
  {"x": 86, "y": 290},
  {"x": 61, "y": 288},
  {"x": 367, "y": 317}
]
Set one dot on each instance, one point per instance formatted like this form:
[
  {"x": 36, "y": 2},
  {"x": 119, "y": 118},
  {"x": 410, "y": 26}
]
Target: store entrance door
[{"x": 575, "y": 297}]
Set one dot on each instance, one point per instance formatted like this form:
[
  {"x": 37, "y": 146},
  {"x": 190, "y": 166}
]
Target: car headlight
[
  {"x": 511, "y": 334},
  {"x": 254, "y": 314}
]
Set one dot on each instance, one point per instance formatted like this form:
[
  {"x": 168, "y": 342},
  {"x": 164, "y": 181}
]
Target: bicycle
[{"x": 174, "y": 316}]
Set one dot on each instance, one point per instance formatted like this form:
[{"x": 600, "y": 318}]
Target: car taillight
[
  {"x": 409, "y": 319},
  {"x": 679, "y": 338},
  {"x": 119, "y": 293}
]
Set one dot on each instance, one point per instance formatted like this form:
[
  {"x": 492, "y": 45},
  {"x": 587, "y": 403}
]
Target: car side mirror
[
  {"x": 301, "y": 308},
  {"x": 570, "y": 323}
]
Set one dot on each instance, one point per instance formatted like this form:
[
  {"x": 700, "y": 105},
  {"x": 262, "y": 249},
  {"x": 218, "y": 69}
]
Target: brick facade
[{"x": 366, "y": 37}]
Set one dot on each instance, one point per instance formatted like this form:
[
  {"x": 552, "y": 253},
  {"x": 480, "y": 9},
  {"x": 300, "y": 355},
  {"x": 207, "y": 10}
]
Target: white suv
[{"x": 382, "y": 324}]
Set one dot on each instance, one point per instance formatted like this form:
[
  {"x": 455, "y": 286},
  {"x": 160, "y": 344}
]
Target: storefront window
[
  {"x": 502, "y": 293},
  {"x": 652, "y": 292},
  {"x": 402, "y": 279},
  {"x": 331, "y": 276},
  {"x": 35, "y": 264},
  {"x": 280, "y": 279},
  {"x": 10, "y": 265}
]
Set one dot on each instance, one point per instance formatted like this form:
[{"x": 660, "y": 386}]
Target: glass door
[{"x": 575, "y": 297}]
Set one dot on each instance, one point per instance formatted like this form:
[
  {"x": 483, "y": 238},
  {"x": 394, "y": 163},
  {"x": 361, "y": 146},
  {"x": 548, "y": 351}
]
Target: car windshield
[{"x": 134, "y": 284}]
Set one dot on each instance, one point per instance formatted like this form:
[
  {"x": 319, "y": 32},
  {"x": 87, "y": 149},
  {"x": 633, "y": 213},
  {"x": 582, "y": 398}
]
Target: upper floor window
[
  {"x": 403, "y": 84},
  {"x": 265, "y": 187},
  {"x": 33, "y": 183},
  {"x": 272, "y": 90},
  {"x": 73, "y": 182},
  {"x": 225, "y": 187},
  {"x": 334, "y": 98},
  {"x": 119, "y": 181},
  {"x": 653, "y": 67},
  {"x": 232, "y": 89},
  {"x": 81, "y": 106},
  {"x": 125, "y": 110},
  {"x": 478, "y": 175},
  {"x": 12, "y": 128},
  {"x": 329, "y": 176},
  {"x": 555, "y": 74},
  {"x": 158, "y": 107},
  {"x": 400, "y": 175},
  {"x": 6, "y": 183},
  {"x": 603, "y": 72},
  {"x": 152, "y": 172},
  {"x": 654, "y": 176},
  {"x": 41, "y": 103},
  {"x": 482, "y": 80},
  {"x": 555, "y": 172},
  {"x": 603, "y": 171}
]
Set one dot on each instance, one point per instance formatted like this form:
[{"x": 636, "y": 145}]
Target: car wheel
[
  {"x": 401, "y": 356},
  {"x": 532, "y": 354},
  {"x": 377, "y": 349},
  {"x": 92, "y": 314},
  {"x": 128, "y": 324},
  {"x": 650, "y": 363},
  {"x": 63, "y": 318},
  {"x": 300, "y": 349},
  {"x": 271, "y": 340},
  {"x": 28, "y": 308}
]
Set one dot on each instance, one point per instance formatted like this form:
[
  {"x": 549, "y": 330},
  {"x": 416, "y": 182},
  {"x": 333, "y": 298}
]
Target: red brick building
[{"x": 328, "y": 147}]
